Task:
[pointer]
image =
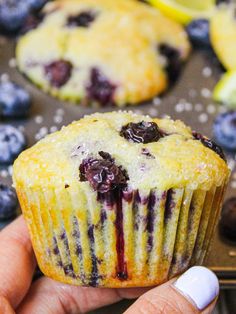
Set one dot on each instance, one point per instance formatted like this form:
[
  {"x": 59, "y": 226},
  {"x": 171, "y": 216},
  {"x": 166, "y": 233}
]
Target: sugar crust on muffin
[{"x": 178, "y": 158}]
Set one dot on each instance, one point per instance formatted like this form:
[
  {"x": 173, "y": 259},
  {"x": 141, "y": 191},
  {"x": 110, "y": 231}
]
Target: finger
[
  {"x": 17, "y": 262},
  {"x": 49, "y": 297},
  {"x": 5, "y": 306},
  {"x": 194, "y": 292}
]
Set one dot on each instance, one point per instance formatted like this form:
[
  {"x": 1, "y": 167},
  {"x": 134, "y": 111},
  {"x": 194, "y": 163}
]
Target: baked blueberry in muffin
[
  {"x": 103, "y": 52},
  {"x": 120, "y": 200}
]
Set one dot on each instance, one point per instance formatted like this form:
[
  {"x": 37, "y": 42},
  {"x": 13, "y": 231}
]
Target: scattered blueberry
[
  {"x": 15, "y": 101},
  {"x": 12, "y": 143},
  {"x": 198, "y": 32},
  {"x": 225, "y": 130},
  {"x": 8, "y": 202},
  {"x": 13, "y": 14},
  {"x": 58, "y": 72},
  {"x": 141, "y": 132},
  {"x": 102, "y": 174},
  {"x": 209, "y": 144},
  {"x": 99, "y": 88},
  {"x": 83, "y": 19},
  {"x": 174, "y": 62},
  {"x": 228, "y": 219},
  {"x": 36, "y": 5}
]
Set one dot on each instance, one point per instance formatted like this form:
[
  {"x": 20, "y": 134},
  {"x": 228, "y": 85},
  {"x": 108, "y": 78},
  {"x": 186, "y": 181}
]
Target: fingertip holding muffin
[
  {"x": 106, "y": 52},
  {"x": 121, "y": 200}
]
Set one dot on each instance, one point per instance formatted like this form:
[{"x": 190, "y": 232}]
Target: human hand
[{"x": 197, "y": 287}]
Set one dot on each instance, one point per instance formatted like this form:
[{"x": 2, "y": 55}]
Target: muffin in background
[
  {"x": 120, "y": 199},
  {"x": 102, "y": 52}
]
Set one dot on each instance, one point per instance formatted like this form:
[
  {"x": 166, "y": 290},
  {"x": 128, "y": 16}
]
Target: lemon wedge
[
  {"x": 225, "y": 89},
  {"x": 184, "y": 11},
  {"x": 223, "y": 35}
]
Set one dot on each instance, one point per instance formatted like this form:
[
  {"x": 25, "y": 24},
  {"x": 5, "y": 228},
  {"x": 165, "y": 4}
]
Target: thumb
[{"x": 193, "y": 292}]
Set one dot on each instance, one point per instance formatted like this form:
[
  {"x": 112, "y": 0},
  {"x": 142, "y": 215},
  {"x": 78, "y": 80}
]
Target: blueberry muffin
[
  {"x": 223, "y": 34},
  {"x": 102, "y": 52},
  {"x": 121, "y": 200}
]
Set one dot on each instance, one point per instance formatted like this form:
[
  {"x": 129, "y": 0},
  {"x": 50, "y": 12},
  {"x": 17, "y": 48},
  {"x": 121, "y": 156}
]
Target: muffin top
[
  {"x": 102, "y": 51},
  {"x": 108, "y": 149}
]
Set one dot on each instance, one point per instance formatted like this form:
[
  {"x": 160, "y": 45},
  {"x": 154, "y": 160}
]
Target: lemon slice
[
  {"x": 225, "y": 89},
  {"x": 223, "y": 35},
  {"x": 184, "y": 11}
]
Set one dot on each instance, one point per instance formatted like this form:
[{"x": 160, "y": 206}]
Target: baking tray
[{"x": 189, "y": 100}]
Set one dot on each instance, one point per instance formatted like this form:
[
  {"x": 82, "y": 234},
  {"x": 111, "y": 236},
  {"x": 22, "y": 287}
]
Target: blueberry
[
  {"x": 83, "y": 19},
  {"x": 198, "y": 32},
  {"x": 13, "y": 14},
  {"x": 141, "y": 132},
  {"x": 12, "y": 143},
  {"x": 103, "y": 174},
  {"x": 209, "y": 144},
  {"x": 173, "y": 59},
  {"x": 58, "y": 72},
  {"x": 8, "y": 202},
  {"x": 100, "y": 89},
  {"x": 36, "y": 5},
  {"x": 225, "y": 130},
  {"x": 106, "y": 156},
  {"x": 15, "y": 101},
  {"x": 228, "y": 219}
]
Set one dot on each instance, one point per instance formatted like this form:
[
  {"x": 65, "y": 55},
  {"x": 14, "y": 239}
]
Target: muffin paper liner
[{"x": 120, "y": 238}]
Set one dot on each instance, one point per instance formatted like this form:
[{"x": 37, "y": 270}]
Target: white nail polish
[{"x": 200, "y": 285}]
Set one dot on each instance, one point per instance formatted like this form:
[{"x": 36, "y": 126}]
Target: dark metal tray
[{"x": 189, "y": 100}]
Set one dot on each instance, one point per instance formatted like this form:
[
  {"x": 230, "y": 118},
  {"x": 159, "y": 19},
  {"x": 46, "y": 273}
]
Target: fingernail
[{"x": 199, "y": 284}]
